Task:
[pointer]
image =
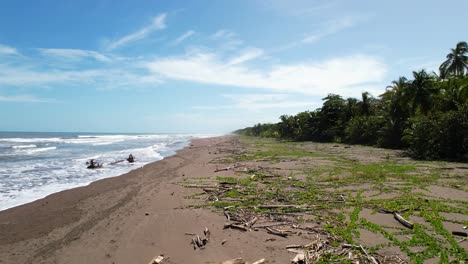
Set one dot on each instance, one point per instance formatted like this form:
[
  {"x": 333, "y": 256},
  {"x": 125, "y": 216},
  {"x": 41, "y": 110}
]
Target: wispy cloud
[
  {"x": 246, "y": 55},
  {"x": 157, "y": 23},
  {"x": 296, "y": 8},
  {"x": 330, "y": 28},
  {"x": 356, "y": 73},
  {"x": 229, "y": 40},
  {"x": 123, "y": 77},
  {"x": 326, "y": 29},
  {"x": 183, "y": 37},
  {"x": 7, "y": 50},
  {"x": 26, "y": 99},
  {"x": 256, "y": 102},
  {"x": 75, "y": 54}
]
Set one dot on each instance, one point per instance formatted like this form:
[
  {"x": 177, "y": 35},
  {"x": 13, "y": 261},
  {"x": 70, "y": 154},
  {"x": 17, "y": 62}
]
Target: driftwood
[
  {"x": 276, "y": 232},
  {"x": 199, "y": 242},
  {"x": 402, "y": 220},
  {"x": 252, "y": 221},
  {"x": 274, "y": 206},
  {"x": 260, "y": 261},
  {"x": 157, "y": 260},
  {"x": 234, "y": 261},
  {"x": 235, "y": 226},
  {"x": 370, "y": 258}
]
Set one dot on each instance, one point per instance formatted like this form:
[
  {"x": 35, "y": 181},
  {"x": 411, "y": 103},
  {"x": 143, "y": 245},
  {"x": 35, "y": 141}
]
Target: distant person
[
  {"x": 92, "y": 164},
  {"x": 130, "y": 158}
]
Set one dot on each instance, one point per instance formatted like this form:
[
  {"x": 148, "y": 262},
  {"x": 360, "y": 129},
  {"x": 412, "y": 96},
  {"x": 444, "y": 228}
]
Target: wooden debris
[
  {"x": 157, "y": 260},
  {"x": 234, "y": 261},
  {"x": 207, "y": 233},
  {"x": 199, "y": 242},
  {"x": 299, "y": 258},
  {"x": 402, "y": 220},
  {"x": 260, "y": 261},
  {"x": 370, "y": 258},
  {"x": 252, "y": 221},
  {"x": 235, "y": 226},
  {"x": 275, "y": 206},
  {"x": 276, "y": 232}
]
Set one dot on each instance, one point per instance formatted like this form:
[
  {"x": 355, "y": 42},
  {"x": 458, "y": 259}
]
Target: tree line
[{"x": 426, "y": 114}]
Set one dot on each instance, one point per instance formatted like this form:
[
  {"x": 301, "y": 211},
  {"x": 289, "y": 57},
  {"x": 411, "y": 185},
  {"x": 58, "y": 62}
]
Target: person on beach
[
  {"x": 93, "y": 164},
  {"x": 131, "y": 159}
]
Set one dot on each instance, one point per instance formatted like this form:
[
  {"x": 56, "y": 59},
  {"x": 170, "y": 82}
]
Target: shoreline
[
  {"x": 55, "y": 221},
  {"x": 156, "y": 209},
  {"x": 82, "y": 176}
]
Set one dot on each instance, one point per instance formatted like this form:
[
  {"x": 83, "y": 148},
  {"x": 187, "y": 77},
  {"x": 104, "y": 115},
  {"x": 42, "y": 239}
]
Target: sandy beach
[{"x": 137, "y": 216}]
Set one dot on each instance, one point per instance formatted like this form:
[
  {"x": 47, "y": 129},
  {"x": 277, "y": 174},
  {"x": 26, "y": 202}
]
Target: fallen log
[{"x": 403, "y": 221}]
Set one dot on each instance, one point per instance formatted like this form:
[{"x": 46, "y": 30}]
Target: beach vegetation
[{"x": 426, "y": 115}]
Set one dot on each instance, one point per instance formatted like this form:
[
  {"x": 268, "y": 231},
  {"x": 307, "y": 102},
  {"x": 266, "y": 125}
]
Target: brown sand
[
  {"x": 131, "y": 219},
  {"x": 139, "y": 215}
]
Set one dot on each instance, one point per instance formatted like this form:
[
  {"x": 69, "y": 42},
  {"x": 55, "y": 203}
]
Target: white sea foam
[
  {"x": 34, "y": 150},
  {"x": 30, "y": 140},
  {"x": 23, "y": 146},
  {"x": 59, "y": 163}
]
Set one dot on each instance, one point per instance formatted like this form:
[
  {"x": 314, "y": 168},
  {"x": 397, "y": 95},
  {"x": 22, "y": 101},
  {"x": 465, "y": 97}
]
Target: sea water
[{"x": 33, "y": 165}]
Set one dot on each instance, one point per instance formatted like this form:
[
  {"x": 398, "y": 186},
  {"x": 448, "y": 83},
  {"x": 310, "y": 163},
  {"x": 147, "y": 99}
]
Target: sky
[{"x": 206, "y": 66}]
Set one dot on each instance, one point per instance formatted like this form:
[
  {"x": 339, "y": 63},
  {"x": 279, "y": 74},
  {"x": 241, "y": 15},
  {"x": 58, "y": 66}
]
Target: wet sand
[{"x": 126, "y": 219}]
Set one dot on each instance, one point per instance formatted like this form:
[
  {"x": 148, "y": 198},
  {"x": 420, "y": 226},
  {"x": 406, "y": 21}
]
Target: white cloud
[
  {"x": 330, "y": 28},
  {"x": 25, "y": 99},
  {"x": 227, "y": 38},
  {"x": 303, "y": 8},
  {"x": 326, "y": 29},
  {"x": 183, "y": 37},
  {"x": 75, "y": 54},
  {"x": 348, "y": 76},
  {"x": 257, "y": 102},
  {"x": 157, "y": 23},
  {"x": 246, "y": 55},
  {"x": 7, "y": 50},
  {"x": 100, "y": 78}
]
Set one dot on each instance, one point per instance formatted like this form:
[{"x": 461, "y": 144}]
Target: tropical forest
[{"x": 426, "y": 114}]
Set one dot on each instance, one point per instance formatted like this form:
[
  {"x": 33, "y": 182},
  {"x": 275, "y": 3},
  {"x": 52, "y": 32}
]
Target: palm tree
[
  {"x": 366, "y": 104},
  {"x": 421, "y": 91},
  {"x": 456, "y": 63}
]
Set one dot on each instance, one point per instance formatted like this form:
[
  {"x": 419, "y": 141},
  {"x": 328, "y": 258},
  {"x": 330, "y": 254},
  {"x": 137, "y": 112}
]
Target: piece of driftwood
[
  {"x": 235, "y": 226},
  {"x": 402, "y": 220},
  {"x": 370, "y": 258},
  {"x": 299, "y": 258},
  {"x": 276, "y": 232},
  {"x": 351, "y": 246},
  {"x": 273, "y": 206},
  {"x": 252, "y": 221},
  {"x": 234, "y": 261},
  {"x": 199, "y": 242},
  {"x": 157, "y": 260},
  {"x": 260, "y": 261}
]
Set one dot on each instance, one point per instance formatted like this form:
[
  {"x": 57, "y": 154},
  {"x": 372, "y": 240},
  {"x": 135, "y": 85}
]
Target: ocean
[{"x": 34, "y": 165}]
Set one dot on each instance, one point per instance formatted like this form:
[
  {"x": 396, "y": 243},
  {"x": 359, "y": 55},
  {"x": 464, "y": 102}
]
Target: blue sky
[{"x": 206, "y": 66}]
